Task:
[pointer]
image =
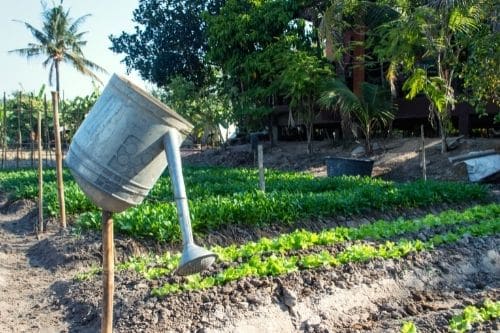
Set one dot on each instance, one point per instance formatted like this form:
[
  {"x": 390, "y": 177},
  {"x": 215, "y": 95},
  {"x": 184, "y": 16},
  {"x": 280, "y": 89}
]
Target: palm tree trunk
[
  {"x": 56, "y": 63},
  {"x": 57, "y": 137}
]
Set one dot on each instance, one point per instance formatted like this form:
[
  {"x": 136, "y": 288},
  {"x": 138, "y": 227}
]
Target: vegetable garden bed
[{"x": 389, "y": 274}]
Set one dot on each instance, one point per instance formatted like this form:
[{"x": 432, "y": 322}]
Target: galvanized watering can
[{"x": 118, "y": 154}]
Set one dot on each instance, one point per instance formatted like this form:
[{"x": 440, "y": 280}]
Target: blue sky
[{"x": 108, "y": 17}]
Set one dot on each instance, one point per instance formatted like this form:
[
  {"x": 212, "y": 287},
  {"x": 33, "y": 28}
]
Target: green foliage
[
  {"x": 480, "y": 71},
  {"x": 301, "y": 81},
  {"x": 73, "y": 111},
  {"x": 280, "y": 264},
  {"x": 22, "y": 110},
  {"x": 427, "y": 43},
  {"x": 59, "y": 40},
  {"x": 168, "y": 40},
  {"x": 251, "y": 42},
  {"x": 373, "y": 108},
  {"x": 155, "y": 266},
  {"x": 471, "y": 315},
  {"x": 206, "y": 107},
  {"x": 216, "y": 202},
  {"x": 409, "y": 327}
]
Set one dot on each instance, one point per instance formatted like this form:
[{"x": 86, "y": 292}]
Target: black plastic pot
[{"x": 338, "y": 166}]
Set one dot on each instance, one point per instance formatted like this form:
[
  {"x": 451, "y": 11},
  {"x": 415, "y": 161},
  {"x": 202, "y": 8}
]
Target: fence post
[
  {"x": 19, "y": 137},
  {"x": 32, "y": 139},
  {"x": 260, "y": 157},
  {"x": 4, "y": 131},
  {"x": 40, "y": 171},
  {"x": 48, "y": 152}
]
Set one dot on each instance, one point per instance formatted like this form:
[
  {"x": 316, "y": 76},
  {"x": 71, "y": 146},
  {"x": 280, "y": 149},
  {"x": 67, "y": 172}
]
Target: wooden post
[
  {"x": 59, "y": 171},
  {"x": 260, "y": 157},
  {"x": 19, "y": 138},
  {"x": 108, "y": 268},
  {"x": 424, "y": 161},
  {"x": 40, "y": 172},
  {"x": 4, "y": 130},
  {"x": 47, "y": 136},
  {"x": 32, "y": 139}
]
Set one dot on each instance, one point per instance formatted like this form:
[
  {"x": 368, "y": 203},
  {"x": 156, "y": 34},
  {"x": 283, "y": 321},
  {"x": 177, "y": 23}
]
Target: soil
[
  {"x": 395, "y": 159},
  {"x": 38, "y": 292}
]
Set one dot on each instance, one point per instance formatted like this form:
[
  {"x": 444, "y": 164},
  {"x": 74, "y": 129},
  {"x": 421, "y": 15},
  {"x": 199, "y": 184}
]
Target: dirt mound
[
  {"x": 395, "y": 159},
  {"x": 426, "y": 288}
]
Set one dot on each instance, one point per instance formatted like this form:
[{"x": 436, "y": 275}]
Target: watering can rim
[{"x": 155, "y": 101}]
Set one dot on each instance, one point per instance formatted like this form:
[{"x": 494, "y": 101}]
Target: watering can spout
[{"x": 194, "y": 258}]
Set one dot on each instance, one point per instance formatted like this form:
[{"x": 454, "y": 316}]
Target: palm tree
[
  {"x": 60, "y": 41},
  {"x": 371, "y": 108}
]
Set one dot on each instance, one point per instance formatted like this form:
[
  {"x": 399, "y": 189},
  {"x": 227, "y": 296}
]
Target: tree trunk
[
  {"x": 442, "y": 131},
  {"x": 309, "y": 128},
  {"x": 59, "y": 171},
  {"x": 368, "y": 144},
  {"x": 358, "y": 69}
]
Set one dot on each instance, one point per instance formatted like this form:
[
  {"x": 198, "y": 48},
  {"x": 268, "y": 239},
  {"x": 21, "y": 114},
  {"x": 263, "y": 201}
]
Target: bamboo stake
[
  {"x": 40, "y": 172},
  {"x": 32, "y": 143},
  {"x": 424, "y": 161},
  {"x": 59, "y": 171},
  {"x": 108, "y": 272},
  {"x": 47, "y": 136},
  {"x": 19, "y": 138},
  {"x": 4, "y": 131},
  {"x": 262, "y": 181}
]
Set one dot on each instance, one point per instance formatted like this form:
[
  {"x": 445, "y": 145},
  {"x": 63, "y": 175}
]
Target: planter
[{"x": 339, "y": 166}]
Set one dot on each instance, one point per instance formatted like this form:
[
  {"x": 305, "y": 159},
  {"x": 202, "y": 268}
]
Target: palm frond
[
  {"x": 337, "y": 95},
  {"x": 39, "y": 35},
  {"x": 416, "y": 83},
  {"x": 464, "y": 21},
  {"x": 28, "y": 52},
  {"x": 60, "y": 40},
  {"x": 73, "y": 28}
]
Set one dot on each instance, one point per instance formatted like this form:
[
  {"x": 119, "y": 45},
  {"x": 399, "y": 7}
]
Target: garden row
[
  {"x": 466, "y": 319},
  {"x": 220, "y": 196},
  {"x": 285, "y": 253}
]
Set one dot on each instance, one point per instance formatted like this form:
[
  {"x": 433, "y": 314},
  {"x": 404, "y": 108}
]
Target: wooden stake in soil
[
  {"x": 424, "y": 161},
  {"x": 59, "y": 171},
  {"x": 40, "y": 172},
  {"x": 19, "y": 138},
  {"x": 32, "y": 139},
  {"x": 108, "y": 268},
  {"x": 4, "y": 130},
  {"x": 260, "y": 157},
  {"x": 47, "y": 136}
]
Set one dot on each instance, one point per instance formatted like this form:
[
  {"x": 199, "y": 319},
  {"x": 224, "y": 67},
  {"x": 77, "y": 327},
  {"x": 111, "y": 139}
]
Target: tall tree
[
  {"x": 59, "y": 40},
  {"x": 249, "y": 41},
  {"x": 168, "y": 41},
  {"x": 427, "y": 43}
]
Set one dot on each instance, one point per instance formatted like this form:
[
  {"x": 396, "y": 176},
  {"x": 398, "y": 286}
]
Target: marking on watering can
[{"x": 128, "y": 161}]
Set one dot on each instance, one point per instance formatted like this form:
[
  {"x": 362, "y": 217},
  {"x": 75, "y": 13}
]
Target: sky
[{"x": 107, "y": 17}]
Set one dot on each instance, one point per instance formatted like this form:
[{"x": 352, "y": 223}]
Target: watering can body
[
  {"x": 117, "y": 154},
  {"x": 122, "y": 148}
]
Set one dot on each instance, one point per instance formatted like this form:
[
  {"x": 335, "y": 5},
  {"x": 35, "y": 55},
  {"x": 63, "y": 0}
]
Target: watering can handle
[{"x": 171, "y": 141}]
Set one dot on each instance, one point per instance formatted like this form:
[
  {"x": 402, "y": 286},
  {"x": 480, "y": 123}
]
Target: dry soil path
[{"x": 24, "y": 285}]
